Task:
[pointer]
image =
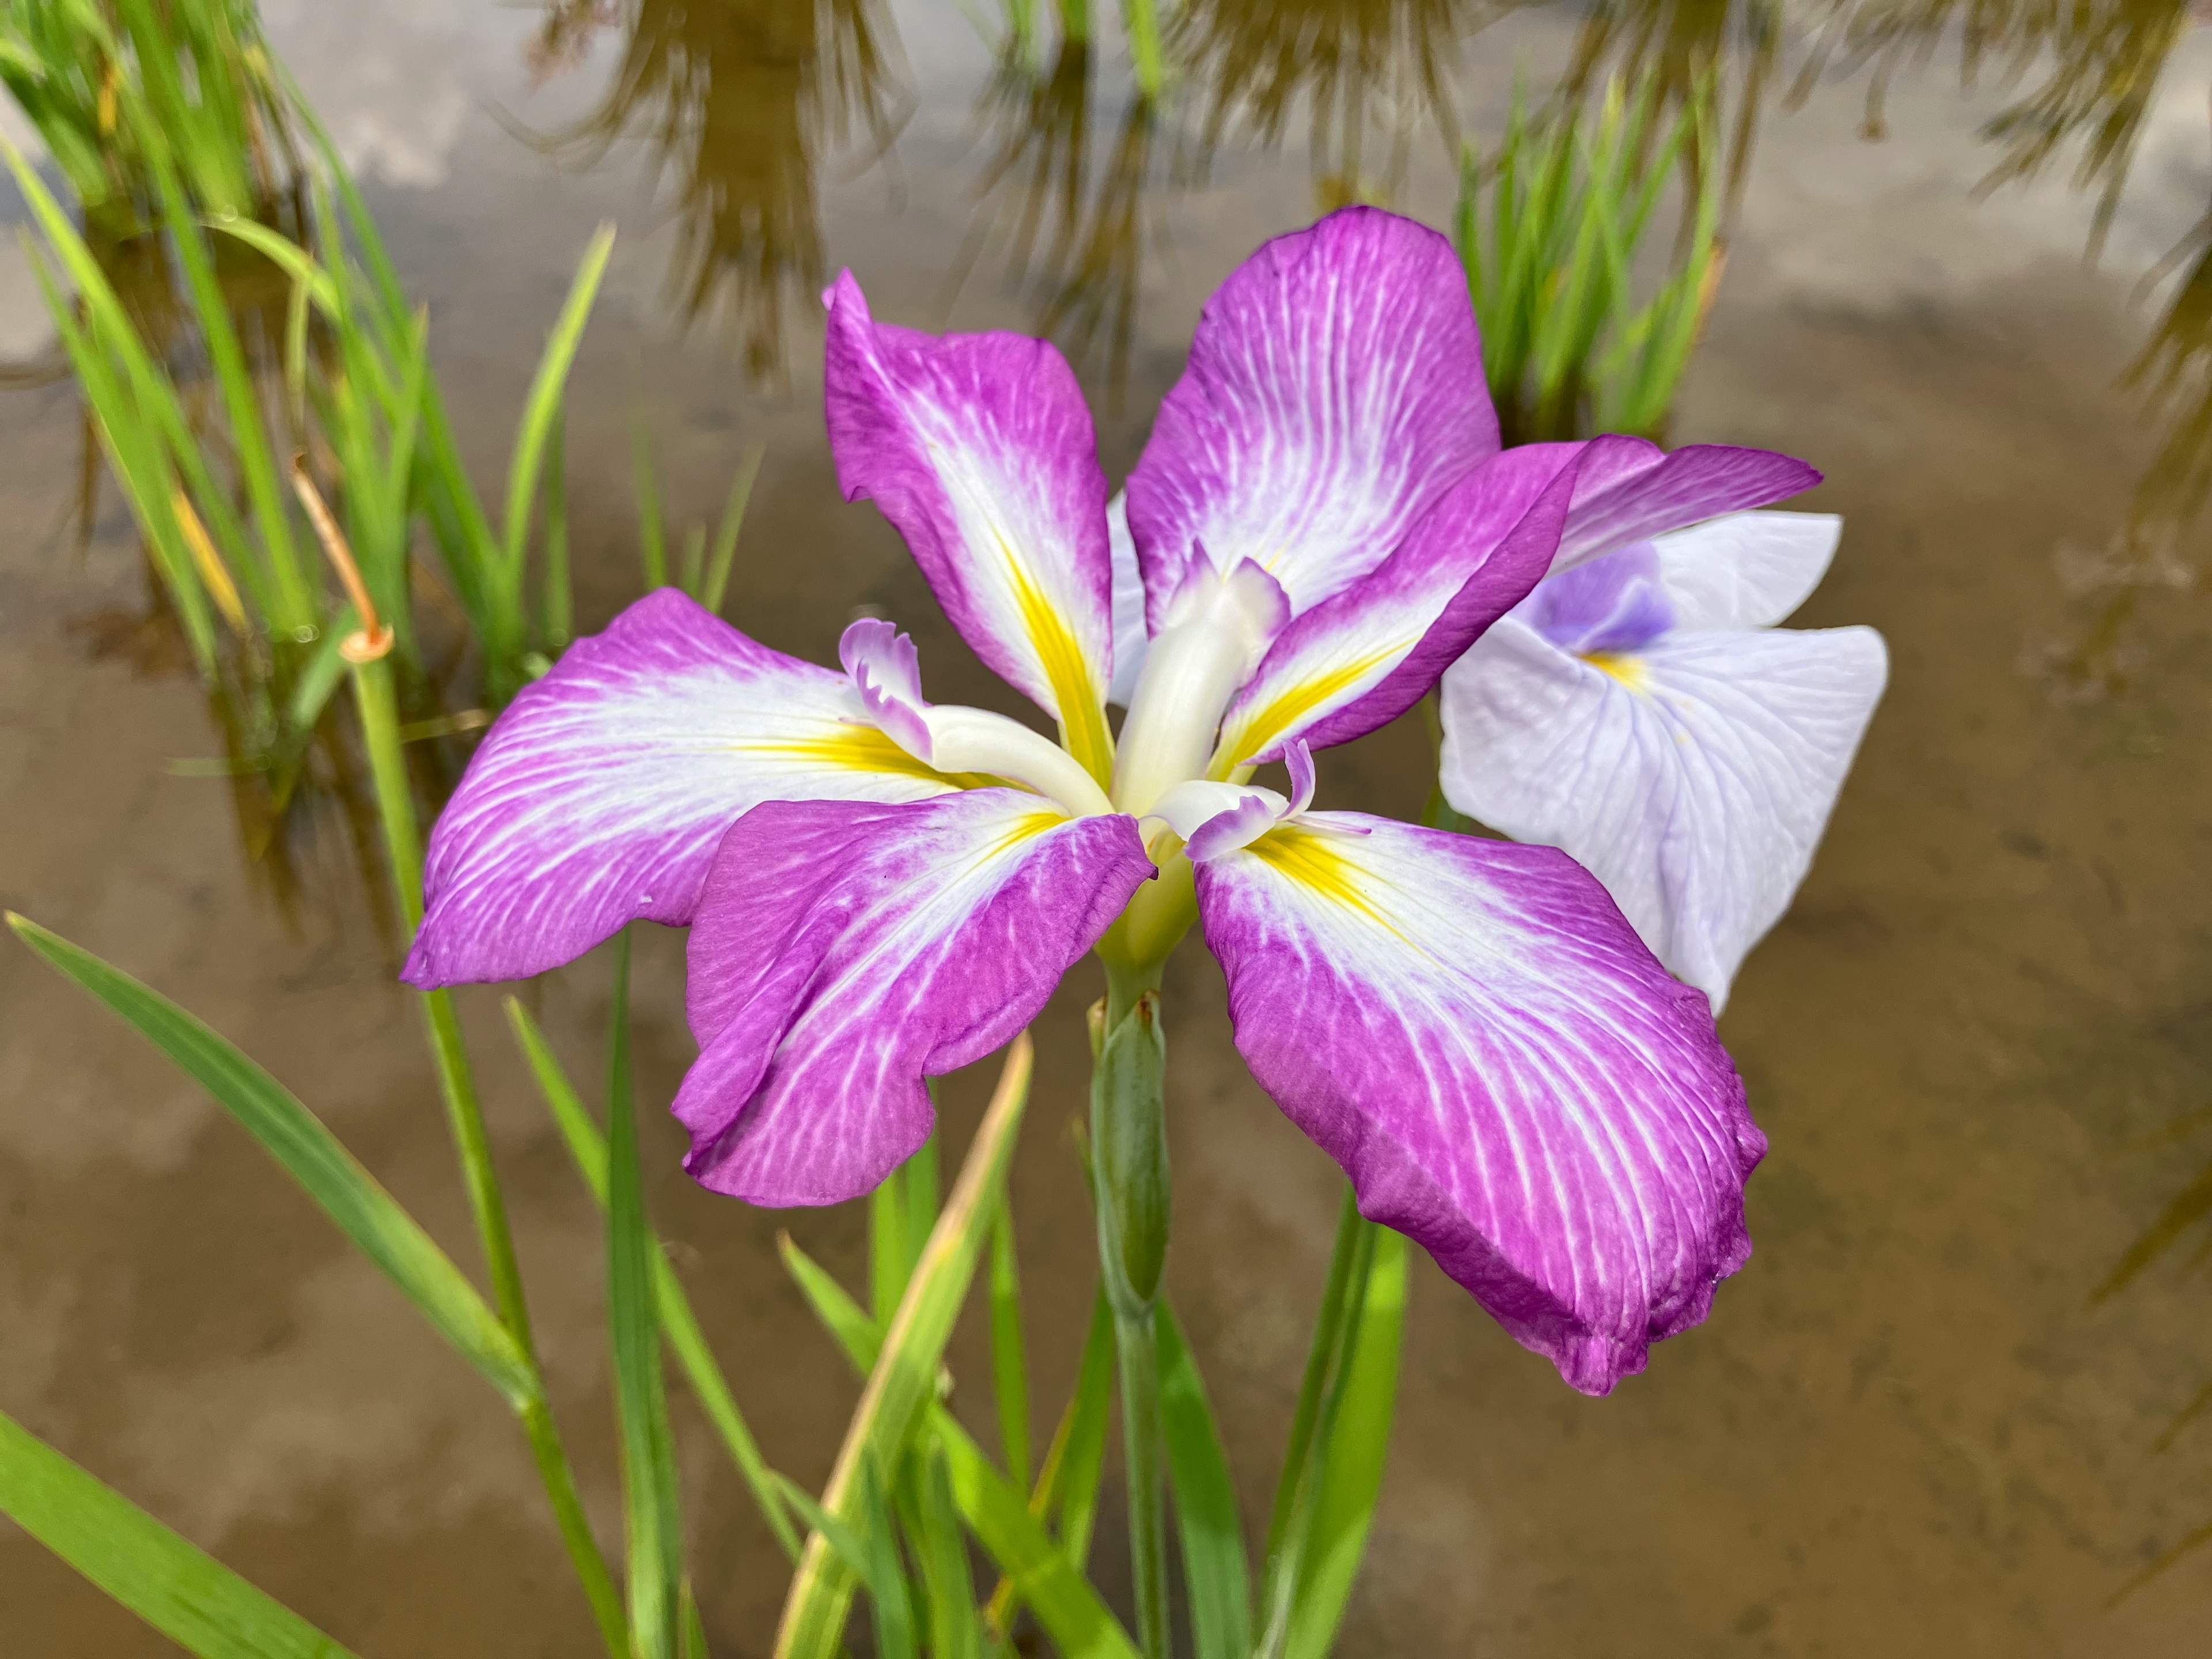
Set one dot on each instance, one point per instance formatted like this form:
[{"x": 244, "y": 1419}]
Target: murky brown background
[{"x": 1977, "y": 1042}]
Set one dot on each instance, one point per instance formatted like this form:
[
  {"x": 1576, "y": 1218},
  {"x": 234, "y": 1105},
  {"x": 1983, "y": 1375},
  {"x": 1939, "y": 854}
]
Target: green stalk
[
  {"x": 380, "y": 721},
  {"x": 1128, "y": 1134}
]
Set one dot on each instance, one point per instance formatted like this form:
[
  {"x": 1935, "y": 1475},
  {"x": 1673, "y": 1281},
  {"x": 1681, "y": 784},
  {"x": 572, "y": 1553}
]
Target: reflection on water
[
  {"x": 744, "y": 104},
  {"x": 1067, "y": 220},
  {"x": 1680, "y": 46},
  {"x": 2092, "y": 64},
  {"x": 1352, "y": 71}
]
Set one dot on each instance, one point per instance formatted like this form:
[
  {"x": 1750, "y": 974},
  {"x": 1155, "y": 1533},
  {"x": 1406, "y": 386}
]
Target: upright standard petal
[
  {"x": 1334, "y": 392},
  {"x": 1630, "y": 490},
  {"x": 979, "y": 449},
  {"x": 1692, "y": 776},
  {"x": 1471, "y": 1029},
  {"x": 1130, "y": 639},
  {"x": 1358, "y": 660},
  {"x": 843, "y": 952},
  {"x": 1746, "y": 570},
  {"x": 600, "y": 796}
]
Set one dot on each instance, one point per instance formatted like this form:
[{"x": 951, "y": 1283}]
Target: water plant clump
[
  {"x": 100, "y": 79},
  {"x": 1550, "y": 225}
]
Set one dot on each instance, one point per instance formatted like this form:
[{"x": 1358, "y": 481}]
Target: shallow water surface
[{"x": 1981, "y": 1042}]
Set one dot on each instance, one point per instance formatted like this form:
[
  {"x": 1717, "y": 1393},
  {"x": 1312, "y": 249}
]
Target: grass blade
[
  {"x": 588, "y": 1148},
  {"x": 648, "y": 1459},
  {"x": 1009, "y": 1375},
  {"x": 1215, "y": 1567},
  {"x": 726, "y": 533},
  {"x": 1351, "y": 1460},
  {"x": 544, "y": 403},
  {"x": 173, "y": 1585},
  {"x": 905, "y": 1372},
  {"x": 312, "y": 1154}
]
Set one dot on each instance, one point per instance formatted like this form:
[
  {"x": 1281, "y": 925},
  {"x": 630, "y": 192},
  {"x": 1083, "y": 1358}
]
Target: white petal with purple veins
[
  {"x": 1748, "y": 570},
  {"x": 600, "y": 796},
  {"x": 1334, "y": 392},
  {"x": 1693, "y": 777},
  {"x": 978, "y": 447}
]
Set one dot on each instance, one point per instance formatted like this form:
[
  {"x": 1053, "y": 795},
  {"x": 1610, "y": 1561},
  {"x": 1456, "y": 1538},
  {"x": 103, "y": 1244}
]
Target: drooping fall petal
[
  {"x": 1693, "y": 774},
  {"x": 1746, "y": 570},
  {"x": 600, "y": 796},
  {"x": 1473, "y": 1031},
  {"x": 1334, "y": 393},
  {"x": 843, "y": 952},
  {"x": 979, "y": 449}
]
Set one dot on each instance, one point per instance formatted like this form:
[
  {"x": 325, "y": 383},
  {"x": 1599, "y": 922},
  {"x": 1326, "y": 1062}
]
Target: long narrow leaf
[
  {"x": 648, "y": 1461},
  {"x": 173, "y": 1585},
  {"x": 311, "y": 1154},
  {"x": 905, "y": 1373},
  {"x": 1207, "y": 1521},
  {"x": 588, "y": 1148},
  {"x": 1352, "y": 1460}
]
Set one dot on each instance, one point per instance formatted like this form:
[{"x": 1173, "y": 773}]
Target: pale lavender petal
[
  {"x": 1358, "y": 660},
  {"x": 979, "y": 448},
  {"x": 1748, "y": 570},
  {"x": 885, "y": 669},
  {"x": 843, "y": 952},
  {"x": 600, "y": 796},
  {"x": 1256, "y": 812},
  {"x": 1694, "y": 777},
  {"x": 1130, "y": 640},
  {"x": 1334, "y": 393},
  {"x": 1474, "y": 1033},
  {"x": 1615, "y": 602},
  {"x": 1630, "y": 490}
]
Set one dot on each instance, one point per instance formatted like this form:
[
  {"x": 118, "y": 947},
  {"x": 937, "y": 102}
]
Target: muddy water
[{"x": 1976, "y": 1042}]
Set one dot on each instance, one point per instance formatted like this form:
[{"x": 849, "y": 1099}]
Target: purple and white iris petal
[
  {"x": 843, "y": 952},
  {"x": 1359, "y": 659},
  {"x": 979, "y": 449},
  {"x": 1748, "y": 570},
  {"x": 1474, "y": 1033},
  {"x": 1693, "y": 777},
  {"x": 1630, "y": 490},
  {"x": 1130, "y": 640},
  {"x": 600, "y": 796},
  {"x": 1334, "y": 392}
]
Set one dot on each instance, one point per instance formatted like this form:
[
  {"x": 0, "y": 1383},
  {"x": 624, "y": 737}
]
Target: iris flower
[
  {"x": 1642, "y": 712},
  {"x": 880, "y": 889}
]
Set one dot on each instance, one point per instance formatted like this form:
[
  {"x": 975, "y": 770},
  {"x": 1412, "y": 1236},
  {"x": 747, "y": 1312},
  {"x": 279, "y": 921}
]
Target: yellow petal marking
[
  {"x": 864, "y": 749},
  {"x": 1628, "y": 671},
  {"x": 1316, "y": 864},
  {"x": 1255, "y": 731},
  {"x": 1081, "y": 709}
]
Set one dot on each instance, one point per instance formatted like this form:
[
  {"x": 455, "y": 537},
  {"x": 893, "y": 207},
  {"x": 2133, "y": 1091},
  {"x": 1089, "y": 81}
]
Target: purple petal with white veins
[
  {"x": 979, "y": 449},
  {"x": 1474, "y": 1033},
  {"x": 1630, "y": 490},
  {"x": 1748, "y": 570},
  {"x": 600, "y": 796},
  {"x": 843, "y": 952},
  {"x": 1693, "y": 777},
  {"x": 1334, "y": 393},
  {"x": 1358, "y": 660}
]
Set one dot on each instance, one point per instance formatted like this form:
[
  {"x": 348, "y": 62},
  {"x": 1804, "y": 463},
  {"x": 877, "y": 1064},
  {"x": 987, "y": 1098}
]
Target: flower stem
[
  {"x": 1128, "y": 1135},
  {"x": 403, "y": 843}
]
